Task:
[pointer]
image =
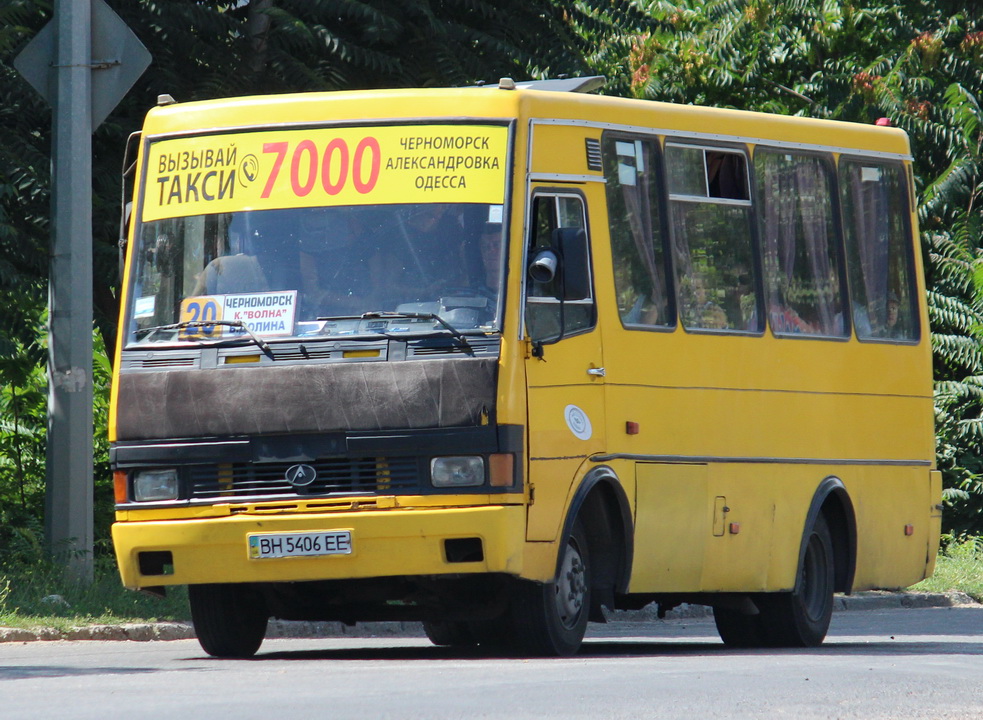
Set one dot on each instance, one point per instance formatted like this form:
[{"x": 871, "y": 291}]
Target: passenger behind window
[
  {"x": 892, "y": 328},
  {"x": 646, "y": 310},
  {"x": 878, "y": 255},
  {"x": 873, "y": 322},
  {"x": 866, "y": 324},
  {"x": 784, "y": 319},
  {"x": 697, "y": 309}
]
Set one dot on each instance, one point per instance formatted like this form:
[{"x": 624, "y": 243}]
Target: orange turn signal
[
  {"x": 119, "y": 485},
  {"x": 501, "y": 469}
]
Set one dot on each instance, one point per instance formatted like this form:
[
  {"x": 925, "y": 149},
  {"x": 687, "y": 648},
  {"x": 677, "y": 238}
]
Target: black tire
[
  {"x": 737, "y": 629},
  {"x": 550, "y": 619},
  {"x": 230, "y": 620},
  {"x": 490, "y": 633},
  {"x": 451, "y": 634},
  {"x": 801, "y": 618}
]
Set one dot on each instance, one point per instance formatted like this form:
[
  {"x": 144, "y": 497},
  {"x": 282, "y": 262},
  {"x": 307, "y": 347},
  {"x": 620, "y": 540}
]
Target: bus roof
[{"x": 526, "y": 101}]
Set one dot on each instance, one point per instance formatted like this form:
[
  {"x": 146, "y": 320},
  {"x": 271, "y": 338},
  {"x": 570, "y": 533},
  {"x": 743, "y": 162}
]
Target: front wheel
[
  {"x": 230, "y": 620},
  {"x": 551, "y": 618}
]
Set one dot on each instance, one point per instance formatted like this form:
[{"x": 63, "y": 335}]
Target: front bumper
[{"x": 385, "y": 543}]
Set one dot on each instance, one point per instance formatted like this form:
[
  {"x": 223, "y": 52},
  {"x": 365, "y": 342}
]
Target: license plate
[{"x": 304, "y": 544}]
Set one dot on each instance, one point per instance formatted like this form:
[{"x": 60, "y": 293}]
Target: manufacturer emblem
[
  {"x": 300, "y": 475},
  {"x": 578, "y": 422}
]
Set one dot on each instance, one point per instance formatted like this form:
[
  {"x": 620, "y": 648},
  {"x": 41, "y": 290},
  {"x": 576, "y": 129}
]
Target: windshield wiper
[
  {"x": 379, "y": 315},
  {"x": 260, "y": 342}
]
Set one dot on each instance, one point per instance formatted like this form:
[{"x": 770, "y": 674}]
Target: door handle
[{"x": 598, "y": 372}]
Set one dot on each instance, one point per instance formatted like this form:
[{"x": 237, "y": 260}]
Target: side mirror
[
  {"x": 126, "y": 208},
  {"x": 565, "y": 268},
  {"x": 124, "y": 230},
  {"x": 542, "y": 269}
]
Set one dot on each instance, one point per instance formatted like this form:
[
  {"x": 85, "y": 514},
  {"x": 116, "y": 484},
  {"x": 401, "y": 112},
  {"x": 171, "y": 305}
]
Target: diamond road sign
[{"x": 118, "y": 59}]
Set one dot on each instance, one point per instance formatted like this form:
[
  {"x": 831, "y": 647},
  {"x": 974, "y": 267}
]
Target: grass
[
  {"x": 959, "y": 567},
  {"x": 35, "y": 593}
]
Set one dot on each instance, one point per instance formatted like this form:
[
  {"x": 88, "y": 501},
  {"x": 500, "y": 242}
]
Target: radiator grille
[
  {"x": 315, "y": 353},
  {"x": 334, "y": 475},
  {"x": 166, "y": 361}
]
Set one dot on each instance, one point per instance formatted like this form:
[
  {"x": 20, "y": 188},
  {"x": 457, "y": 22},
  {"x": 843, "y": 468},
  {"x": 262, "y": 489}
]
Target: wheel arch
[
  {"x": 602, "y": 506},
  {"x": 833, "y": 501}
]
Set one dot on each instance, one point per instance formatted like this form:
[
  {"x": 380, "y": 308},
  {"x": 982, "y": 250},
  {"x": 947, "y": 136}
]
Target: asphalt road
[{"x": 911, "y": 664}]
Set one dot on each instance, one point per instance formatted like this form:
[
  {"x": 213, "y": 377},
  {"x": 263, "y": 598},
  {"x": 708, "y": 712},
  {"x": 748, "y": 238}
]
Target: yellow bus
[{"x": 499, "y": 358}]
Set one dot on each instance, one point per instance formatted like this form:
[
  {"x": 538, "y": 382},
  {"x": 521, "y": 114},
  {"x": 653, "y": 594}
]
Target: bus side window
[
  {"x": 641, "y": 271},
  {"x": 556, "y": 218},
  {"x": 799, "y": 246},
  {"x": 879, "y": 262},
  {"x": 710, "y": 223}
]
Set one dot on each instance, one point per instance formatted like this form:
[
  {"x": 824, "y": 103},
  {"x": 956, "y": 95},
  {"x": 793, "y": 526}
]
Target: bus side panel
[
  {"x": 555, "y": 453},
  {"x": 757, "y": 510},
  {"x": 887, "y": 501},
  {"x": 708, "y": 416},
  {"x": 672, "y": 526}
]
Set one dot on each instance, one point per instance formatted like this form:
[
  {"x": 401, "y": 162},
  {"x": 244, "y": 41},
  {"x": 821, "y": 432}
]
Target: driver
[{"x": 475, "y": 303}]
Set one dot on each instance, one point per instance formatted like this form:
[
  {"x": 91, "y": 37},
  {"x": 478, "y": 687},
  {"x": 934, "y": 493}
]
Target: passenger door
[{"x": 564, "y": 369}]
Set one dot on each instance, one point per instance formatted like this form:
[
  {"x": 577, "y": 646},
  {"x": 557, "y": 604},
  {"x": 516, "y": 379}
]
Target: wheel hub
[{"x": 571, "y": 587}]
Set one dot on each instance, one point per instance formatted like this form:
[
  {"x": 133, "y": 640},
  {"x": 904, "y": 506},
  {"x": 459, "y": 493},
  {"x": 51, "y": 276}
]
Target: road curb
[
  {"x": 147, "y": 632},
  {"x": 868, "y": 600}
]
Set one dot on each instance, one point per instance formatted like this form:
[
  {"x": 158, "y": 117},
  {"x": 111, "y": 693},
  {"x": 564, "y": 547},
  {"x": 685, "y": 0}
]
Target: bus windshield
[
  {"x": 314, "y": 271},
  {"x": 298, "y": 232}
]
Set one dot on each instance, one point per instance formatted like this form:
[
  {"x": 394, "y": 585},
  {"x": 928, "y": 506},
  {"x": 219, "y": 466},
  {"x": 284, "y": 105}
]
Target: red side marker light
[
  {"x": 735, "y": 528},
  {"x": 631, "y": 428},
  {"x": 909, "y": 530}
]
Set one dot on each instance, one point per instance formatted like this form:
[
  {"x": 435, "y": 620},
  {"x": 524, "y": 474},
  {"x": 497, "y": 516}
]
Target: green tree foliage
[
  {"x": 213, "y": 48},
  {"x": 24, "y": 177},
  {"x": 952, "y": 204},
  {"x": 920, "y": 65},
  {"x": 916, "y": 62}
]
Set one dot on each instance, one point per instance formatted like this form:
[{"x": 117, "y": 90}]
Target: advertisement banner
[{"x": 316, "y": 167}]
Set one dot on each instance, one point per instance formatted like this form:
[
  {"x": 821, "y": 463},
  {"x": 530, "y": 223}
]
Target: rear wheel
[
  {"x": 737, "y": 629},
  {"x": 230, "y": 620},
  {"x": 792, "y": 619},
  {"x": 551, "y": 618},
  {"x": 801, "y": 618},
  {"x": 454, "y": 634}
]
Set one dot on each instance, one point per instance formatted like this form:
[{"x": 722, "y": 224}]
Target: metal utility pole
[
  {"x": 68, "y": 502},
  {"x": 82, "y": 62}
]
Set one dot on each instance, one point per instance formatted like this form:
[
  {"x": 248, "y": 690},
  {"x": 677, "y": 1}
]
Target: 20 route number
[
  {"x": 334, "y": 166},
  {"x": 200, "y": 309}
]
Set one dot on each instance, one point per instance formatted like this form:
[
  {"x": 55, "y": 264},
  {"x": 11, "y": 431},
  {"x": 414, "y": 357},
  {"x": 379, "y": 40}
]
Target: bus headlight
[
  {"x": 457, "y": 471},
  {"x": 151, "y": 485}
]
